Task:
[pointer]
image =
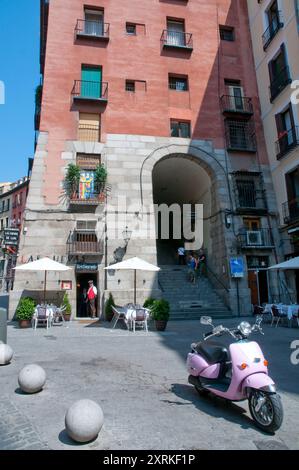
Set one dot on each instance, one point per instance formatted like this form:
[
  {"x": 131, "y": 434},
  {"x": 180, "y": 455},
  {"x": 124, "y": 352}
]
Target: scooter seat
[{"x": 213, "y": 351}]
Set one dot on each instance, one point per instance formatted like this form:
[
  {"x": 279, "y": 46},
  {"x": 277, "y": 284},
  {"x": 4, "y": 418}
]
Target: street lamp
[{"x": 127, "y": 235}]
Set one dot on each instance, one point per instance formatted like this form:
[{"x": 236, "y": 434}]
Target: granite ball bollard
[
  {"x": 32, "y": 378},
  {"x": 84, "y": 420},
  {"x": 6, "y": 354}
]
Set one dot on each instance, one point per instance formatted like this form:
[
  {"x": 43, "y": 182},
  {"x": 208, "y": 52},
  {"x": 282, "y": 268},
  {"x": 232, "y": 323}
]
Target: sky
[{"x": 19, "y": 71}]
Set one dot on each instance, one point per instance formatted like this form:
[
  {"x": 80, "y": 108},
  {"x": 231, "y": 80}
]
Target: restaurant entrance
[{"x": 83, "y": 309}]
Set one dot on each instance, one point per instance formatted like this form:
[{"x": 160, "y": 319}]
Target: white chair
[
  {"x": 140, "y": 319},
  {"x": 41, "y": 317}
]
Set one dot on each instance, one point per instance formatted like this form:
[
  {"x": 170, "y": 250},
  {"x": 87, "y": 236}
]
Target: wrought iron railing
[
  {"x": 88, "y": 194},
  {"x": 86, "y": 90},
  {"x": 250, "y": 198},
  {"x": 290, "y": 210},
  {"x": 88, "y": 133},
  {"x": 287, "y": 141},
  {"x": 171, "y": 38},
  {"x": 93, "y": 29},
  {"x": 83, "y": 243},
  {"x": 279, "y": 82},
  {"x": 240, "y": 136},
  {"x": 260, "y": 238},
  {"x": 273, "y": 28},
  {"x": 236, "y": 104}
]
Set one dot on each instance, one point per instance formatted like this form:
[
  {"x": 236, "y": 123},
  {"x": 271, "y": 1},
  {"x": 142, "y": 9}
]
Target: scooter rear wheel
[{"x": 266, "y": 410}]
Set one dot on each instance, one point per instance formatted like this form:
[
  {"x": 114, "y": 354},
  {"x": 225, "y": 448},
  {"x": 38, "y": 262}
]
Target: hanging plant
[{"x": 72, "y": 179}]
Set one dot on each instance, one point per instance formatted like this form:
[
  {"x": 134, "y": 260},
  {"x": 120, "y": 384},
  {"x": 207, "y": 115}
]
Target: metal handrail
[
  {"x": 287, "y": 141},
  {"x": 85, "y": 89},
  {"x": 236, "y": 104},
  {"x": 273, "y": 28},
  {"x": 92, "y": 28},
  {"x": 216, "y": 277},
  {"x": 177, "y": 39},
  {"x": 281, "y": 80}
]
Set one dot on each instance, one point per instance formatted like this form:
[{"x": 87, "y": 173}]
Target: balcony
[
  {"x": 85, "y": 196},
  {"x": 90, "y": 92},
  {"x": 236, "y": 105},
  {"x": 287, "y": 141},
  {"x": 177, "y": 40},
  {"x": 256, "y": 239},
  {"x": 240, "y": 136},
  {"x": 95, "y": 30},
  {"x": 88, "y": 133},
  {"x": 280, "y": 82},
  {"x": 84, "y": 243},
  {"x": 290, "y": 211},
  {"x": 275, "y": 25}
]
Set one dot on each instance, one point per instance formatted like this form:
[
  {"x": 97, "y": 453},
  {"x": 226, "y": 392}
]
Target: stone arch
[{"x": 213, "y": 163}]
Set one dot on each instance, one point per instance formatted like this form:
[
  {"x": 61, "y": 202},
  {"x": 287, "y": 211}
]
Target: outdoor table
[{"x": 287, "y": 310}]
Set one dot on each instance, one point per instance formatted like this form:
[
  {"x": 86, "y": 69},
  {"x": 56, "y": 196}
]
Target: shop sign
[
  {"x": 86, "y": 267},
  {"x": 66, "y": 285}
]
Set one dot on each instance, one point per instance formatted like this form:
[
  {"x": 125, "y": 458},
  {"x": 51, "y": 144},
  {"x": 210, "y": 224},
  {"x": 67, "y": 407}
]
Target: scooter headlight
[{"x": 245, "y": 328}]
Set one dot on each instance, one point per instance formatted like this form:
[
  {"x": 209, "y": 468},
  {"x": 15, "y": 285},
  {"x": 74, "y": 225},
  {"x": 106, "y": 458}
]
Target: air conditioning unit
[{"x": 254, "y": 238}]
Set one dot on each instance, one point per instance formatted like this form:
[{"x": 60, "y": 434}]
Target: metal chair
[
  {"x": 140, "y": 319},
  {"x": 277, "y": 315}
]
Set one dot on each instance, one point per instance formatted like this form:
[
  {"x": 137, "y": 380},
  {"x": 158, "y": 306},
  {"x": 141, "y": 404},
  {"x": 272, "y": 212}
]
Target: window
[
  {"x": 180, "y": 129},
  {"x": 94, "y": 22},
  {"x": 130, "y": 86},
  {"x": 227, "y": 33},
  {"x": 246, "y": 193},
  {"x": 279, "y": 73},
  {"x": 131, "y": 29},
  {"x": 176, "y": 32},
  {"x": 178, "y": 83},
  {"x": 89, "y": 127},
  {"x": 91, "y": 82},
  {"x": 236, "y": 94}
]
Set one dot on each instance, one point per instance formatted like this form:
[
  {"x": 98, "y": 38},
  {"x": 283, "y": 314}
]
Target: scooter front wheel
[{"x": 266, "y": 410}]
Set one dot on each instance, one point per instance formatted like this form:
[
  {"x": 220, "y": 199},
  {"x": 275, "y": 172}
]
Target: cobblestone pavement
[
  {"x": 140, "y": 380},
  {"x": 16, "y": 430}
]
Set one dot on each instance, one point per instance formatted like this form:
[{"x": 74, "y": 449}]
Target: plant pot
[
  {"x": 67, "y": 317},
  {"x": 161, "y": 325},
  {"x": 24, "y": 323}
]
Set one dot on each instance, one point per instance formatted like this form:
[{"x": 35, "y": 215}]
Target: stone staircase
[{"x": 190, "y": 301}]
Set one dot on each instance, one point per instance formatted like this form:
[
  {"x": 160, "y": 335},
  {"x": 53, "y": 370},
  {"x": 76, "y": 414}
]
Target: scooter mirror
[{"x": 206, "y": 320}]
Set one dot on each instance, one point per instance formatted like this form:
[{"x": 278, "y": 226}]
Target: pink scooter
[{"x": 226, "y": 364}]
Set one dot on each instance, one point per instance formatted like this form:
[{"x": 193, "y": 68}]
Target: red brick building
[{"x": 162, "y": 93}]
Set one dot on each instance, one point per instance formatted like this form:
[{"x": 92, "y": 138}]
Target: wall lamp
[
  {"x": 127, "y": 234},
  {"x": 228, "y": 218}
]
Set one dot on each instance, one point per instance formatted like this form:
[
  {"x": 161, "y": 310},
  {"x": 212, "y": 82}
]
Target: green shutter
[{"x": 91, "y": 86}]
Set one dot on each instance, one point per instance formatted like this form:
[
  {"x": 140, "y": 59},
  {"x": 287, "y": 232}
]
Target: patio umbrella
[
  {"x": 44, "y": 265},
  {"x": 133, "y": 264},
  {"x": 290, "y": 264}
]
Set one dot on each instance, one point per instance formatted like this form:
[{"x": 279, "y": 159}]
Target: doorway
[
  {"x": 82, "y": 284},
  {"x": 258, "y": 284}
]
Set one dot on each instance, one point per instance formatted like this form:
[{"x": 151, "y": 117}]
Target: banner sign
[
  {"x": 11, "y": 236},
  {"x": 86, "y": 267},
  {"x": 237, "y": 267}
]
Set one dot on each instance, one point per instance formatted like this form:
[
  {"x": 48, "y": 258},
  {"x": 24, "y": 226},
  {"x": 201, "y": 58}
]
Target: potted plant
[
  {"x": 100, "y": 178},
  {"x": 108, "y": 307},
  {"x": 72, "y": 180},
  {"x": 25, "y": 311},
  {"x": 148, "y": 303},
  {"x": 160, "y": 313},
  {"x": 68, "y": 308}
]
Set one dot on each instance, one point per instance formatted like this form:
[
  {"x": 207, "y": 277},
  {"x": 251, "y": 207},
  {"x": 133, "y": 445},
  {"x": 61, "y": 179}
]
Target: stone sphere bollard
[
  {"x": 6, "y": 354},
  {"x": 32, "y": 378},
  {"x": 84, "y": 420}
]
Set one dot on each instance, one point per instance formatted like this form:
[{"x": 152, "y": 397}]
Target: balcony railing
[
  {"x": 236, "y": 105},
  {"x": 88, "y": 194},
  {"x": 287, "y": 141},
  {"x": 88, "y": 133},
  {"x": 248, "y": 199},
  {"x": 84, "y": 243},
  {"x": 92, "y": 30},
  {"x": 275, "y": 25},
  {"x": 177, "y": 39},
  {"x": 280, "y": 82},
  {"x": 290, "y": 210},
  {"x": 254, "y": 239},
  {"x": 90, "y": 91},
  {"x": 240, "y": 136}
]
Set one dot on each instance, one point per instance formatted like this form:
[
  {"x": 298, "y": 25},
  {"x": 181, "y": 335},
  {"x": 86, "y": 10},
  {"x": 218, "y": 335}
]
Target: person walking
[
  {"x": 92, "y": 294},
  {"x": 191, "y": 270},
  {"x": 181, "y": 254},
  {"x": 202, "y": 263},
  {"x": 83, "y": 303}
]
